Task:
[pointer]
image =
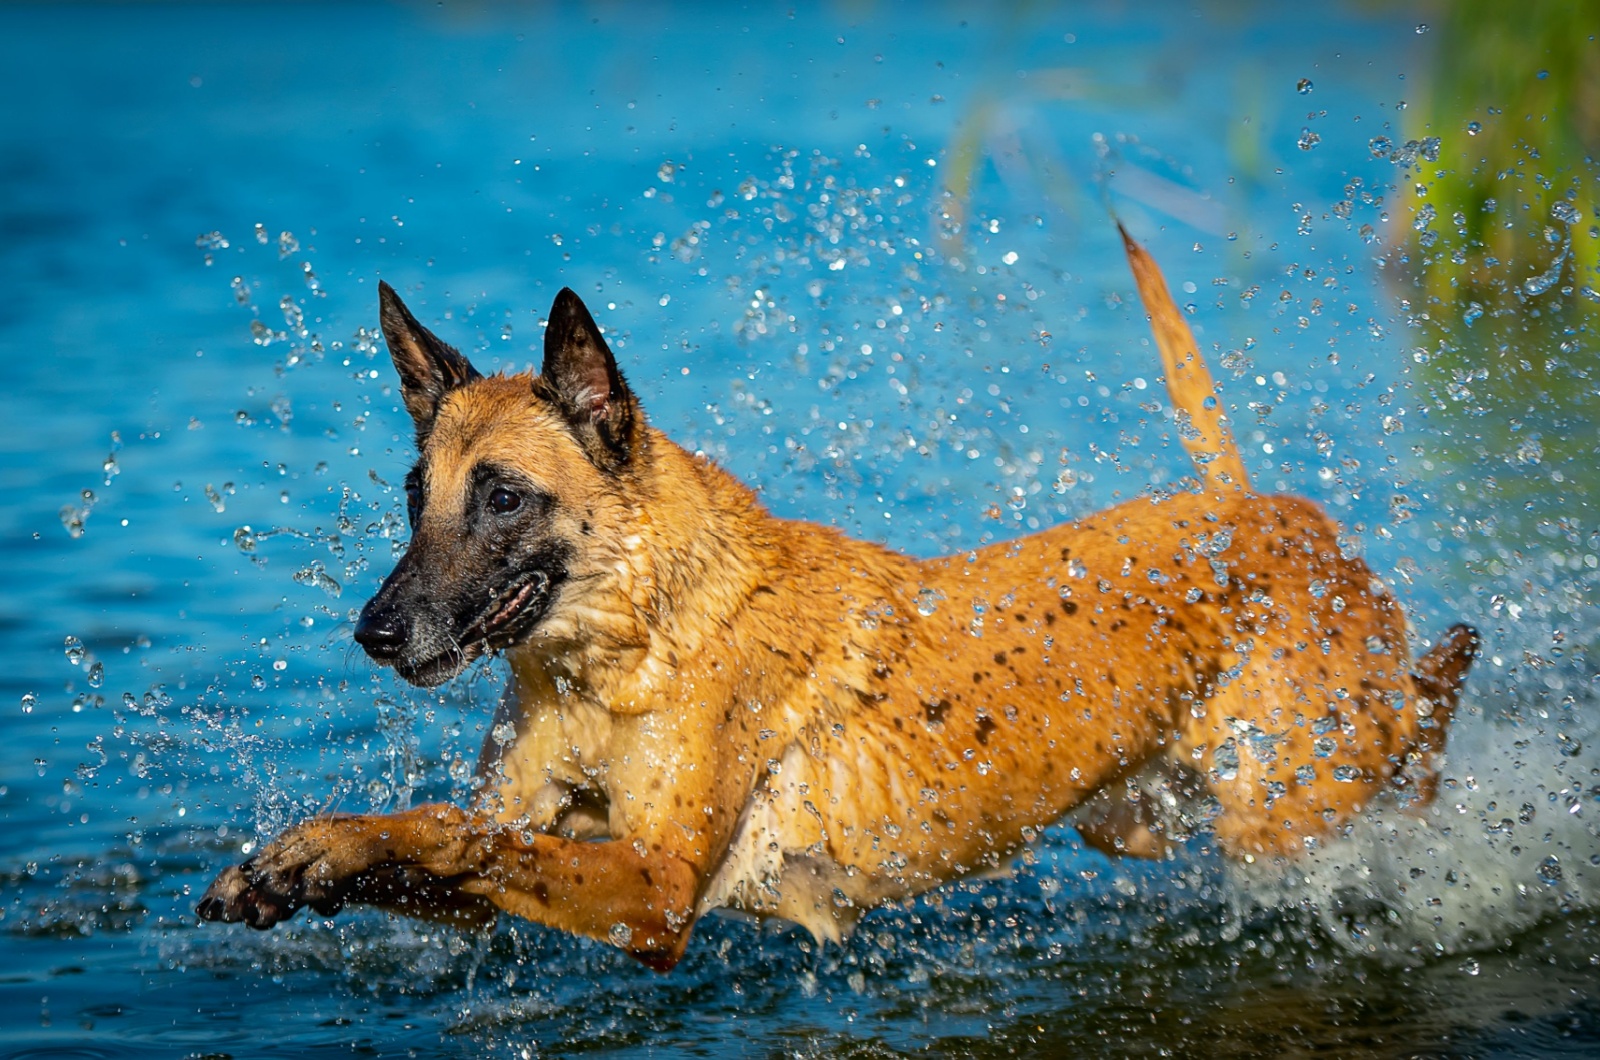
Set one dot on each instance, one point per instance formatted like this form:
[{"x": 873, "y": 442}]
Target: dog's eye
[{"x": 504, "y": 502}]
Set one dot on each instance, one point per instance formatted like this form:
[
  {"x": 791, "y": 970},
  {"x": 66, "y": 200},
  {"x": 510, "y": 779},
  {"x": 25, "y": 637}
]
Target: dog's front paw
[
  {"x": 304, "y": 866},
  {"x": 234, "y": 897}
]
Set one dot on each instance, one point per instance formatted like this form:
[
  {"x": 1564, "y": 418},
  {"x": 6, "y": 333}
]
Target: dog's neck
[{"x": 692, "y": 552}]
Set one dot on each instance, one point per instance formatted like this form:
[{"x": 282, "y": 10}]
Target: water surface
[{"x": 864, "y": 257}]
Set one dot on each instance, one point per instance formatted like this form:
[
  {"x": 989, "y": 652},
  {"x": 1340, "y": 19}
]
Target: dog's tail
[{"x": 1201, "y": 423}]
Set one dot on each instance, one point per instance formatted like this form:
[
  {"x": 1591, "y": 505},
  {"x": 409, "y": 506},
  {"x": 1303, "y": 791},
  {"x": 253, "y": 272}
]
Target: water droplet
[
  {"x": 260, "y": 334},
  {"x": 1380, "y": 146},
  {"x": 293, "y": 316},
  {"x": 1324, "y": 746},
  {"x": 97, "y": 675},
  {"x": 1544, "y": 281},
  {"x": 258, "y": 682},
  {"x": 244, "y": 539},
  {"x": 28, "y": 701},
  {"x": 1528, "y": 451},
  {"x": 72, "y": 520},
  {"x": 928, "y": 601},
  {"x": 668, "y": 172},
  {"x": 1469, "y": 966},
  {"x": 1308, "y": 140},
  {"x": 1549, "y": 870},
  {"x": 1422, "y": 27},
  {"x": 1226, "y": 759},
  {"x": 1470, "y": 316},
  {"x": 74, "y": 650},
  {"x": 1566, "y": 213},
  {"x": 1346, "y": 774},
  {"x": 317, "y": 576},
  {"x": 1304, "y": 86},
  {"x": 1474, "y": 128},
  {"x": 74, "y": 515}
]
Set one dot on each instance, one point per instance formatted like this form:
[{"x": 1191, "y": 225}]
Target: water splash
[
  {"x": 73, "y": 516},
  {"x": 1542, "y": 282},
  {"x": 1512, "y": 840},
  {"x": 317, "y": 576}
]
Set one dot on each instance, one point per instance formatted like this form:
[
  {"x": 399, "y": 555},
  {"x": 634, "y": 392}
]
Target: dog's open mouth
[{"x": 500, "y": 627}]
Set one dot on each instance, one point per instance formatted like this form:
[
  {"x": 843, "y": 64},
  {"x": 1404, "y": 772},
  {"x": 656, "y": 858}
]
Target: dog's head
[{"x": 519, "y": 485}]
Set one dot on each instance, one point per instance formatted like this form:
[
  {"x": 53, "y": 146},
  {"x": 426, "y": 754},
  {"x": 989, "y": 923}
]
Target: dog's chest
[{"x": 541, "y": 748}]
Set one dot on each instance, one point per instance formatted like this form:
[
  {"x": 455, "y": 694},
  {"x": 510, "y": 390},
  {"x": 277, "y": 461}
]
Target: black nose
[{"x": 382, "y": 632}]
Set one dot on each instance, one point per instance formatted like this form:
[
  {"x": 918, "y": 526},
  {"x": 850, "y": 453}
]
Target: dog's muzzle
[{"x": 382, "y": 632}]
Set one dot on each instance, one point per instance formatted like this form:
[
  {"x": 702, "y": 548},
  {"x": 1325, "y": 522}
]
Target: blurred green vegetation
[{"x": 1496, "y": 256}]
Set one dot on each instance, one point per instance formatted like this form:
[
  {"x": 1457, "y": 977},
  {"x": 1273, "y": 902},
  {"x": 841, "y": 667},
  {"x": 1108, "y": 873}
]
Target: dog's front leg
[
  {"x": 328, "y": 861},
  {"x": 618, "y": 891}
]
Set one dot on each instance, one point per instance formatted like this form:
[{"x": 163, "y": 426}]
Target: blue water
[{"x": 195, "y": 207}]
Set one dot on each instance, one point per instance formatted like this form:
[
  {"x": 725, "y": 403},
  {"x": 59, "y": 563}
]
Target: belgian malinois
[{"x": 710, "y": 706}]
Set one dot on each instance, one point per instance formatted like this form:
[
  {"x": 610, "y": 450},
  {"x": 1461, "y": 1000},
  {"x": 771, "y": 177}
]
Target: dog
[{"x": 712, "y": 707}]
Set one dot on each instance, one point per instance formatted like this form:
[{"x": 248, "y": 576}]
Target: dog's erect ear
[
  {"x": 581, "y": 378},
  {"x": 428, "y": 367}
]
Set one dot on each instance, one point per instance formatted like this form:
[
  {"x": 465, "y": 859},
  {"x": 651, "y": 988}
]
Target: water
[{"x": 204, "y": 450}]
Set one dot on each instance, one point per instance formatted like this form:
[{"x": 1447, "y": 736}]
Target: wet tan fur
[{"x": 730, "y": 709}]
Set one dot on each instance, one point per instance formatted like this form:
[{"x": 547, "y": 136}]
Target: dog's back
[
  {"x": 923, "y": 719},
  {"x": 920, "y": 720}
]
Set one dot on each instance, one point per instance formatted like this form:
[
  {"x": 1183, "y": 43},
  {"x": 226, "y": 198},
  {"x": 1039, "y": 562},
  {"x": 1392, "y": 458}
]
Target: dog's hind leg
[
  {"x": 1142, "y": 815},
  {"x": 1438, "y": 678},
  {"x": 1313, "y": 704}
]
